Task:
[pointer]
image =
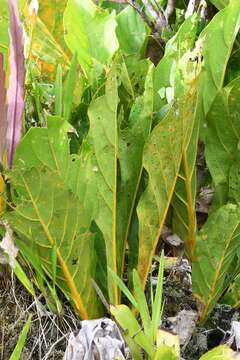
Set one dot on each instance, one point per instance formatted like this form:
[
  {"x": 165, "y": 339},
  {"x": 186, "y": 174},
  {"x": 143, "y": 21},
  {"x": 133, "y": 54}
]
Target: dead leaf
[
  {"x": 183, "y": 325},
  {"x": 7, "y": 247},
  {"x": 98, "y": 339}
]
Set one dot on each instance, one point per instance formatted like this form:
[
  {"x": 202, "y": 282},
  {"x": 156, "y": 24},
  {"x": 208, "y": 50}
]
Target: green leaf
[
  {"x": 211, "y": 79},
  {"x": 103, "y": 137},
  {"x": 157, "y": 308},
  {"x": 161, "y": 159},
  {"x": 217, "y": 244},
  {"x": 4, "y": 23},
  {"x": 220, "y": 4},
  {"x": 131, "y": 328},
  {"x": 222, "y": 144},
  {"x": 50, "y": 212},
  {"x": 165, "y": 353},
  {"x": 131, "y": 31},
  {"x": 222, "y": 352},
  {"x": 123, "y": 288},
  {"x": 232, "y": 296},
  {"x": 142, "y": 305},
  {"x": 22, "y": 277},
  {"x": 221, "y": 30},
  {"x": 69, "y": 88},
  {"x": 94, "y": 29},
  {"x": 166, "y": 78},
  {"x": 133, "y": 133},
  {"x": 184, "y": 221},
  {"x": 58, "y": 92},
  {"x": 183, "y": 202},
  {"x": 21, "y": 341}
]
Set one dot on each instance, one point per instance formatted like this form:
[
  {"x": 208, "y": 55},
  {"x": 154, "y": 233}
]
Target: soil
[
  {"x": 48, "y": 335},
  {"x": 205, "y": 337}
]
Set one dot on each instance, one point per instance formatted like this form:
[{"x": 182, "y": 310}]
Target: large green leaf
[
  {"x": 103, "y": 138},
  {"x": 133, "y": 133},
  {"x": 222, "y": 143},
  {"x": 51, "y": 217},
  {"x": 232, "y": 296},
  {"x": 183, "y": 203},
  {"x": 222, "y": 30},
  {"x": 210, "y": 80},
  {"x": 166, "y": 76},
  {"x": 220, "y": 4},
  {"x": 217, "y": 244},
  {"x": 161, "y": 159},
  {"x": 90, "y": 32},
  {"x": 131, "y": 31}
]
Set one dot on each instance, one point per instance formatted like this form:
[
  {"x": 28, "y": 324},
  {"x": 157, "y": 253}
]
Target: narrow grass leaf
[
  {"x": 142, "y": 305},
  {"x": 123, "y": 288},
  {"x": 16, "y": 355},
  {"x": 157, "y": 305},
  {"x": 23, "y": 278}
]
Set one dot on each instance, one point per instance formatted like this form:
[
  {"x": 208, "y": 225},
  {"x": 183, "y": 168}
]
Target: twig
[
  {"x": 142, "y": 13},
  {"x": 192, "y": 6},
  {"x": 169, "y": 9},
  {"x": 53, "y": 346},
  {"x": 158, "y": 15}
]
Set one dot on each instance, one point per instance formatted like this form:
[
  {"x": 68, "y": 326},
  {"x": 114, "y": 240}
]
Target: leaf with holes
[
  {"x": 133, "y": 133},
  {"x": 103, "y": 140},
  {"x": 162, "y": 157}
]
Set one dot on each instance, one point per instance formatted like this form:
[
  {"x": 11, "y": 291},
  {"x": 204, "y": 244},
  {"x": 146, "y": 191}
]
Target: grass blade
[
  {"x": 123, "y": 287},
  {"x": 21, "y": 341},
  {"x": 142, "y": 304},
  {"x": 157, "y": 304}
]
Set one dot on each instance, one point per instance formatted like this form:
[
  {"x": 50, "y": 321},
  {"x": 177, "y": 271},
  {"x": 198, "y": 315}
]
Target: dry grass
[{"x": 49, "y": 332}]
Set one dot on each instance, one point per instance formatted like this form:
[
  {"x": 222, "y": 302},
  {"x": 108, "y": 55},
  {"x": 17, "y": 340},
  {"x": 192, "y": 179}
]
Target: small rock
[{"x": 183, "y": 325}]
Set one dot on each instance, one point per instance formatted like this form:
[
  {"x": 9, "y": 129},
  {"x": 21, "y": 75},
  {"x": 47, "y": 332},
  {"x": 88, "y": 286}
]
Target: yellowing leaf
[
  {"x": 161, "y": 159},
  {"x": 222, "y": 352},
  {"x": 51, "y": 14},
  {"x": 50, "y": 214},
  {"x": 172, "y": 341}
]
